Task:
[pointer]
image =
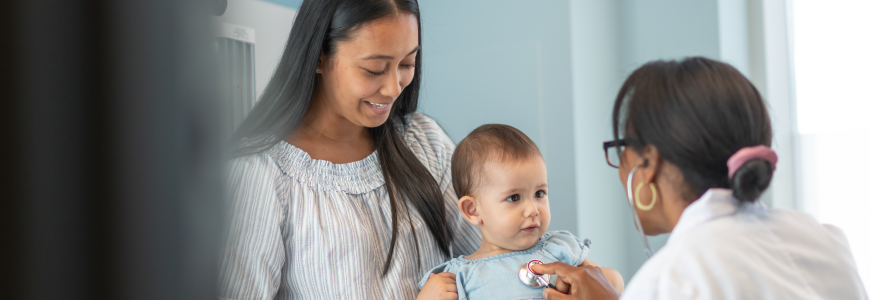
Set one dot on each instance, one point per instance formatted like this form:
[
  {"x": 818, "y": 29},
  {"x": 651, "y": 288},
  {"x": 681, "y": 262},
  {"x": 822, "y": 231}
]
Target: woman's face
[{"x": 362, "y": 79}]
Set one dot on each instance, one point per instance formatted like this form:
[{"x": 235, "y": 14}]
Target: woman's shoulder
[
  {"x": 422, "y": 121},
  {"x": 430, "y": 143},
  {"x": 424, "y": 129},
  {"x": 254, "y": 173},
  {"x": 769, "y": 227},
  {"x": 257, "y": 163},
  {"x": 721, "y": 252},
  {"x": 566, "y": 247}
]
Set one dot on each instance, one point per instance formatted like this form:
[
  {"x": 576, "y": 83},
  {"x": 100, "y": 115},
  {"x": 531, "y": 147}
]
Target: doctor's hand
[
  {"x": 586, "y": 281},
  {"x": 441, "y": 286}
]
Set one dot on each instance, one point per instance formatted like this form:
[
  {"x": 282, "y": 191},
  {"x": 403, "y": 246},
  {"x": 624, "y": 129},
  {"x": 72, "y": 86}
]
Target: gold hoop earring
[{"x": 652, "y": 188}]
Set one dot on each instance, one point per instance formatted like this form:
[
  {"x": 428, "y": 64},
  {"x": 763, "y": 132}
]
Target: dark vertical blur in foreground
[{"x": 110, "y": 184}]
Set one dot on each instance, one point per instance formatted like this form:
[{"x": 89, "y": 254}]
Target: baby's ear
[{"x": 468, "y": 207}]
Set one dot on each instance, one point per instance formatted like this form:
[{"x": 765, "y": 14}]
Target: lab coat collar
[{"x": 713, "y": 204}]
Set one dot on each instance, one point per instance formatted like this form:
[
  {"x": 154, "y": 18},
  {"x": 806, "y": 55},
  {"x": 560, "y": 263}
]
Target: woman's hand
[
  {"x": 586, "y": 281},
  {"x": 441, "y": 286}
]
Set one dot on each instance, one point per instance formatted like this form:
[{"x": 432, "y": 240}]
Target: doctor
[{"x": 692, "y": 149}]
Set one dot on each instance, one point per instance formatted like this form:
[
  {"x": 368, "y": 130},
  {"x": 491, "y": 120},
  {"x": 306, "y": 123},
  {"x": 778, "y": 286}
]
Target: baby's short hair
[{"x": 487, "y": 143}]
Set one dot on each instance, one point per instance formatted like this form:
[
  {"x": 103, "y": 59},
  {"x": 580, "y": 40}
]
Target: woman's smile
[{"x": 379, "y": 108}]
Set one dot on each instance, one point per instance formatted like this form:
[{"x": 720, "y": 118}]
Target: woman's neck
[
  {"x": 325, "y": 135},
  {"x": 673, "y": 202},
  {"x": 325, "y": 122}
]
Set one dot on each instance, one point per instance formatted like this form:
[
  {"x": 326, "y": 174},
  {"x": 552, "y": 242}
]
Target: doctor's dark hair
[
  {"x": 485, "y": 144},
  {"x": 697, "y": 112},
  {"x": 319, "y": 26}
]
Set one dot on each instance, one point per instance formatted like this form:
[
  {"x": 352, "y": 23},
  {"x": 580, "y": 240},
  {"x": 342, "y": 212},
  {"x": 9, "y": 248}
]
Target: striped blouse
[{"x": 302, "y": 228}]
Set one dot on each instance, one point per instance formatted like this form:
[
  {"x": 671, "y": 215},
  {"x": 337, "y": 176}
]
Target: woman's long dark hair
[
  {"x": 319, "y": 26},
  {"x": 697, "y": 113}
]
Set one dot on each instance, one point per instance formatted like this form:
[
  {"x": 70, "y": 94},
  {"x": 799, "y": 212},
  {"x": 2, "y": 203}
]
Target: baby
[{"x": 502, "y": 180}]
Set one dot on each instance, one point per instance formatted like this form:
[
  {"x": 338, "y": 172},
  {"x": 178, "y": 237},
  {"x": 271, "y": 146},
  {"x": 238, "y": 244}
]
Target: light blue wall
[
  {"x": 505, "y": 62},
  {"x": 552, "y": 69},
  {"x": 667, "y": 29},
  {"x": 601, "y": 204}
]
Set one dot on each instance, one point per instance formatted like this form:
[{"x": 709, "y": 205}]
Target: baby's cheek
[{"x": 545, "y": 218}]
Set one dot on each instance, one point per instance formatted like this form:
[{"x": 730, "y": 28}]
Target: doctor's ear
[
  {"x": 652, "y": 162},
  {"x": 469, "y": 209}
]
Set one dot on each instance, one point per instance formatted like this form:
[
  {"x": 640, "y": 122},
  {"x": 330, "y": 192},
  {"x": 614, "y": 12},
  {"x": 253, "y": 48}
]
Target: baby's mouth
[{"x": 532, "y": 228}]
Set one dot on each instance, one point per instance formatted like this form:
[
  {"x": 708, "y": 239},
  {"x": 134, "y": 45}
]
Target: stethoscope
[{"x": 535, "y": 280}]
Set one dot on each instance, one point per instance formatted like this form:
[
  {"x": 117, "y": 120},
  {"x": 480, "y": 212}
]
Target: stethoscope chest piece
[{"x": 528, "y": 277}]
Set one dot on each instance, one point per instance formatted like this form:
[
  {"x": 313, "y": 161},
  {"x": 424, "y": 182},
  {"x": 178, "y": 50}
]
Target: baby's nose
[{"x": 532, "y": 209}]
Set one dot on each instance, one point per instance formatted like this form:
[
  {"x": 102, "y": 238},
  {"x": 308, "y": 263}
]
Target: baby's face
[{"x": 513, "y": 204}]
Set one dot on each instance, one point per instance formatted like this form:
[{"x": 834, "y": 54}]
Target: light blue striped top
[{"x": 302, "y": 228}]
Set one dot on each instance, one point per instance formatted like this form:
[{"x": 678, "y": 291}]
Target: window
[{"x": 832, "y": 73}]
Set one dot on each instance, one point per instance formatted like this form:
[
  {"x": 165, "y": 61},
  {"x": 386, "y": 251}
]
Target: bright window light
[{"x": 832, "y": 76}]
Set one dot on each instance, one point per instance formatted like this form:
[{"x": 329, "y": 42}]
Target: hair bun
[{"x": 751, "y": 180}]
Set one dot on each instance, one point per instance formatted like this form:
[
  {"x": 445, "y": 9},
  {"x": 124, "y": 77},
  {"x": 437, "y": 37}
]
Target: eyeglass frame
[{"x": 611, "y": 144}]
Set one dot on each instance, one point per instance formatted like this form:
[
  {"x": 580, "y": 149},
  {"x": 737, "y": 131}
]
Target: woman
[
  {"x": 696, "y": 158},
  {"x": 341, "y": 190}
]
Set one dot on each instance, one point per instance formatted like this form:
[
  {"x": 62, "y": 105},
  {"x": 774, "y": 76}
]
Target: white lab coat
[{"x": 720, "y": 250}]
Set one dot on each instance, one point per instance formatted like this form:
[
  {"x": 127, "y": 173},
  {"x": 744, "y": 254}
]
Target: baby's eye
[
  {"x": 513, "y": 198},
  {"x": 540, "y": 194}
]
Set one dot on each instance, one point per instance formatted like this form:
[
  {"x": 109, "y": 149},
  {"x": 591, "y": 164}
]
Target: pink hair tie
[{"x": 749, "y": 153}]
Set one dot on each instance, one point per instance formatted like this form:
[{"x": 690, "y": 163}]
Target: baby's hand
[{"x": 440, "y": 286}]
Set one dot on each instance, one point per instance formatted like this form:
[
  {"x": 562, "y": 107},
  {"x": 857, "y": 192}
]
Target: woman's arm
[
  {"x": 254, "y": 253},
  {"x": 612, "y": 275},
  {"x": 614, "y": 278}
]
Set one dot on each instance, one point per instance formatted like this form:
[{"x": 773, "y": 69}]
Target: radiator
[{"x": 235, "y": 47}]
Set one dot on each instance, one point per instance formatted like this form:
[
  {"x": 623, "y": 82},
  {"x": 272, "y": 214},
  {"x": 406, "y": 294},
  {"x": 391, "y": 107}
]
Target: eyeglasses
[{"x": 613, "y": 151}]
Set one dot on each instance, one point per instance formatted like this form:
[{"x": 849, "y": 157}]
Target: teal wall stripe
[{"x": 294, "y": 4}]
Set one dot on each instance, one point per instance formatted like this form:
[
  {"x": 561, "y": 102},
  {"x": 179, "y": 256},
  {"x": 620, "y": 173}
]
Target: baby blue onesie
[{"x": 496, "y": 277}]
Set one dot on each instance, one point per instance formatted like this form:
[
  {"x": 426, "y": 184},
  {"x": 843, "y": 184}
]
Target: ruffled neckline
[
  {"x": 540, "y": 245},
  {"x": 357, "y": 177}
]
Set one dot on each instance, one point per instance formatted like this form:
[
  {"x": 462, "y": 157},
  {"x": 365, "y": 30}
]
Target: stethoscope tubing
[{"x": 633, "y": 209}]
